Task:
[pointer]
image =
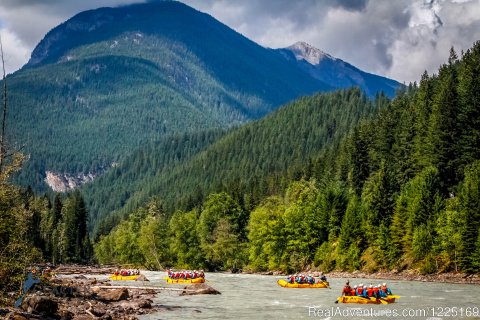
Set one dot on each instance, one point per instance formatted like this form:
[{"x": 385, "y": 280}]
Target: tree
[
  {"x": 218, "y": 206},
  {"x": 266, "y": 235},
  {"x": 470, "y": 206},
  {"x": 184, "y": 242}
]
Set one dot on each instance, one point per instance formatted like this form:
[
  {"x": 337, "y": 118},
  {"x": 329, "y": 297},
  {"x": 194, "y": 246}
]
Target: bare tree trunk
[{"x": 2, "y": 137}]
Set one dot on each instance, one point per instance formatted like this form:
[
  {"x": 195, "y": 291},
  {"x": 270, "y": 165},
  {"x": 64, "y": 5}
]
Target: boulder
[
  {"x": 198, "y": 288},
  {"x": 40, "y": 305},
  {"x": 142, "y": 278},
  {"x": 110, "y": 295}
]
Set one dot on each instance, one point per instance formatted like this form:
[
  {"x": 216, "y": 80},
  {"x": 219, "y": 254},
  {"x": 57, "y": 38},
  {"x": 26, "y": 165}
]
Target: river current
[{"x": 246, "y": 296}]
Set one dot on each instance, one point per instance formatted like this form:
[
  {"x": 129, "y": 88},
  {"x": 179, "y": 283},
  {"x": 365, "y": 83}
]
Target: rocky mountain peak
[{"x": 307, "y": 52}]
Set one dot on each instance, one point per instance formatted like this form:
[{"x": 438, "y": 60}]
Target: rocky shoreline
[{"x": 72, "y": 296}]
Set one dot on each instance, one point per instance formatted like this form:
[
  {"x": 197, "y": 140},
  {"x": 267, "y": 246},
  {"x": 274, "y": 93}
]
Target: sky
[{"x": 399, "y": 39}]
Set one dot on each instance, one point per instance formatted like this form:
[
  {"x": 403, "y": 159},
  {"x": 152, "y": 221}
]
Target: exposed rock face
[{"x": 64, "y": 182}]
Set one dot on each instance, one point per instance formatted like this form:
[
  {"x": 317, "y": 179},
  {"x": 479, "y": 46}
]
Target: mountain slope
[
  {"x": 336, "y": 72},
  {"x": 254, "y": 159},
  {"x": 109, "y": 80}
]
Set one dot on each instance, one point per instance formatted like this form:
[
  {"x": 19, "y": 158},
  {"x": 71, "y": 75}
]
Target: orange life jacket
[{"x": 369, "y": 292}]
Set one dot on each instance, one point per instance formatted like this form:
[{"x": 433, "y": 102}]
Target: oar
[
  {"x": 382, "y": 301},
  {"x": 339, "y": 298},
  {"x": 393, "y": 296}
]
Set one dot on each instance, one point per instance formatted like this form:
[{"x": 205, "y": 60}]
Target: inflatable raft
[
  {"x": 123, "y": 278},
  {"x": 370, "y": 300},
  {"x": 285, "y": 284},
  {"x": 196, "y": 280}
]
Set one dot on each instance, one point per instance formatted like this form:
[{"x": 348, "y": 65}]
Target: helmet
[
  {"x": 370, "y": 286},
  {"x": 355, "y": 287},
  {"x": 361, "y": 284},
  {"x": 384, "y": 284}
]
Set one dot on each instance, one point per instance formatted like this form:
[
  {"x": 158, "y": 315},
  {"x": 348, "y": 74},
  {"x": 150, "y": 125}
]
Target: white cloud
[
  {"x": 15, "y": 52},
  {"x": 399, "y": 39}
]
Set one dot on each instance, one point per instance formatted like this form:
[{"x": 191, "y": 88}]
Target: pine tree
[{"x": 443, "y": 130}]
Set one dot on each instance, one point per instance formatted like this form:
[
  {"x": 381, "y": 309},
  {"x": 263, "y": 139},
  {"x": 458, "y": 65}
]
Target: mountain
[
  {"x": 336, "y": 72},
  {"x": 110, "y": 80},
  {"x": 256, "y": 159}
]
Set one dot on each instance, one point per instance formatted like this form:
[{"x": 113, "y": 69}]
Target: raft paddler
[
  {"x": 347, "y": 290},
  {"x": 386, "y": 289},
  {"x": 359, "y": 290}
]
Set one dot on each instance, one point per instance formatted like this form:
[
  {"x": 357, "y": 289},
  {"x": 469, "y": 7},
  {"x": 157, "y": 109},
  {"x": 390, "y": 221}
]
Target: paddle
[
  {"x": 382, "y": 301},
  {"x": 393, "y": 296}
]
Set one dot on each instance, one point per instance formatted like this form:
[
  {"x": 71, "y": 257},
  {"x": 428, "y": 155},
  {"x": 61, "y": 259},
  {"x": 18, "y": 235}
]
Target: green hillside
[
  {"x": 110, "y": 80},
  {"x": 256, "y": 159},
  {"x": 400, "y": 193}
]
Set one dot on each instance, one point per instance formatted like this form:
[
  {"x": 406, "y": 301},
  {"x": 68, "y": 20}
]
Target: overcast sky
[{"x": 395, "y": 38}]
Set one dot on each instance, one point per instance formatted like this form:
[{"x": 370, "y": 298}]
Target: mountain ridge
[{"x": 109, "y": 80}]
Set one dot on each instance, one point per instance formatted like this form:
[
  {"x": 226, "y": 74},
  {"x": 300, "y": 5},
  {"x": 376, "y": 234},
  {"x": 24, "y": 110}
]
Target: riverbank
[
  {"x": 77, "y": 293},
  {"x": 449, "y": 277},
  {"x": 459, "y": 278}
]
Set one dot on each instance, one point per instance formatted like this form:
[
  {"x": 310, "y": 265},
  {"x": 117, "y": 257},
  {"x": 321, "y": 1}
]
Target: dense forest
[
  {"x": 401, "y": 191},
  {"x": 36, "y": 230},
  {"x": 251, "y": 161}
]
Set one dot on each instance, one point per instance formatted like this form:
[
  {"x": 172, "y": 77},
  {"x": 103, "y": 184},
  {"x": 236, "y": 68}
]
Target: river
[{"x": 246, "y": 296}]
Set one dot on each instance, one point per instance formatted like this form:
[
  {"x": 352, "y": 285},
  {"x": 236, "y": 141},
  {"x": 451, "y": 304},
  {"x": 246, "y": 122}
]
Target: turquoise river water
[{"x": 246, "y": 296}]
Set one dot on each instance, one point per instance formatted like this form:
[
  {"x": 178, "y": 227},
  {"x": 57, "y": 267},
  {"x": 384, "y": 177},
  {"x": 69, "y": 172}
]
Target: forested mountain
[
  {"x": 251, "y": 161},
  {"x": 113, "y": 79},
  {"x": 401, "y": 192}
]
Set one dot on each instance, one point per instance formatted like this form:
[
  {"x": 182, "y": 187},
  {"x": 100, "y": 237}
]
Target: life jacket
[
  {"x": 370, "y": 292},
  {"x": 202, "y": 275},
  {"x": 359, "y": 291},
  {"x": 353, "y": 293},
  {"x": 347, "y": 290},
  {"x": 177, "y": 275},
  {"x": 376, "y": 292},
  {"x": 187, "y": 276}
]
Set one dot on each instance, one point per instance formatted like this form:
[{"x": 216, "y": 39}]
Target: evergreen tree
[{"x": 470, "y": 206}]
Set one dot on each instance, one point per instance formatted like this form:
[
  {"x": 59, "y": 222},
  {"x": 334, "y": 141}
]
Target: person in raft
[{"x": 347, "y": 290}]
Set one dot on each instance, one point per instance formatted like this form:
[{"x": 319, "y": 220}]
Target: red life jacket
[
  {"x": 347, "y": 290},
  {"x": 353, "y": 292},
  {"x": 384, "y": 288},
  {"x": 376, "y": 291},
  {"x": 360, "y": 291},
  {"x": 369, "y": 292},
  {"x": 187, "y": 275}
]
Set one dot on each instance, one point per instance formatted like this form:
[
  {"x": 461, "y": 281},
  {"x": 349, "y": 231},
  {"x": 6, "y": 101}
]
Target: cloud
[{"x": 399, "y": 39}]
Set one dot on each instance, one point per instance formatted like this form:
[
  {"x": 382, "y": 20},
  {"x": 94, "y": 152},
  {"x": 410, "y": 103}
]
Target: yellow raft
[
  {"x": 196, "y": 280},
  {"x": 285, "y": 284},
  {"x": 370, "y": 300},
  {"x": 124, "y": 278}
]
